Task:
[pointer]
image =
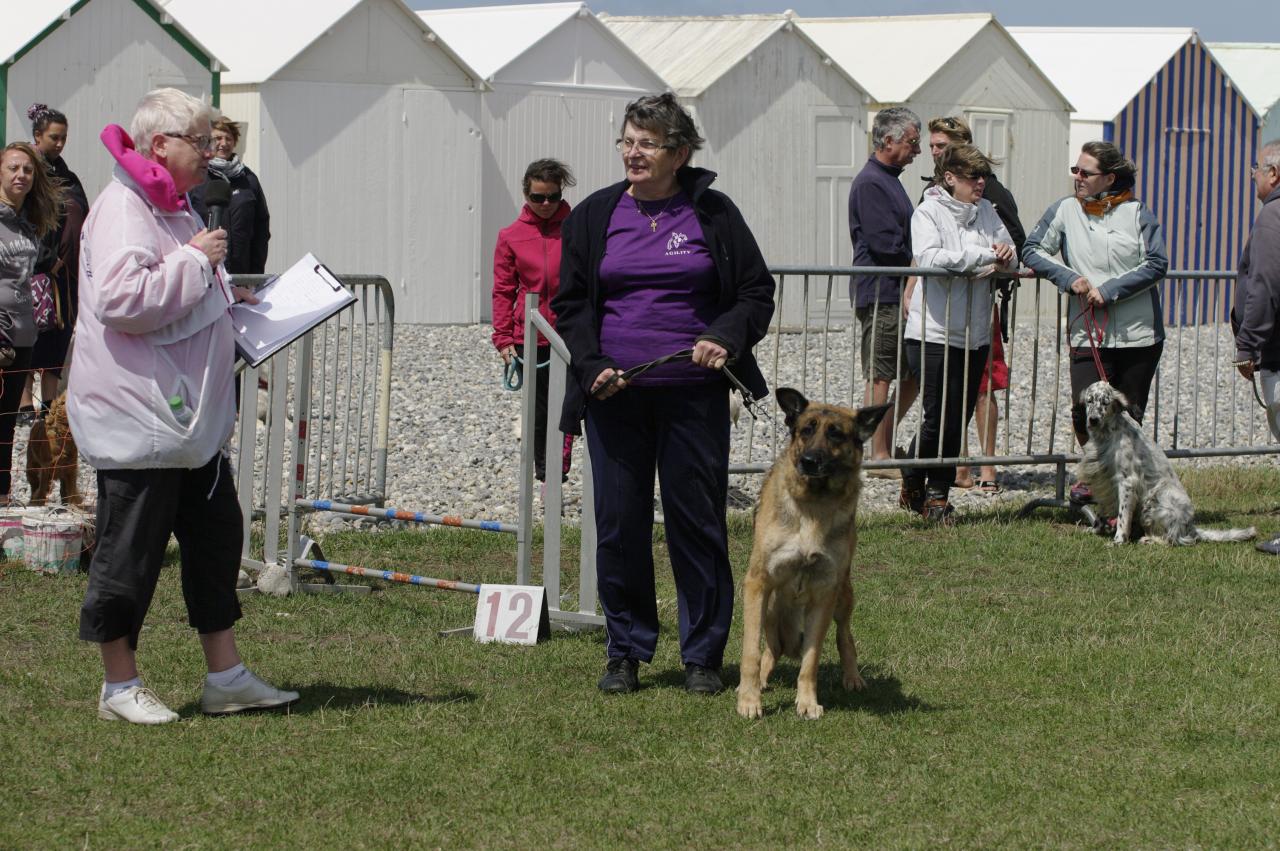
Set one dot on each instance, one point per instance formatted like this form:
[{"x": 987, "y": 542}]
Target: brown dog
[
  {"x": 52, "y": 455},
  {"x": 805, "y": 533}
]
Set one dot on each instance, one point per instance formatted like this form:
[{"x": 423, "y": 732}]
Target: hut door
[
  {"x": 991, "y": 136},
  {"x": 836, "y": 162}
]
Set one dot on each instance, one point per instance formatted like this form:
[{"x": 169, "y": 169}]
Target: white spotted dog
[{"x": 1132, "y": 478}]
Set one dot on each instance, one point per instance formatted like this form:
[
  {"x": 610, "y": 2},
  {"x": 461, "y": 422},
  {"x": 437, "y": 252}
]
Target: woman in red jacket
[{"x": 527, "y": 260}]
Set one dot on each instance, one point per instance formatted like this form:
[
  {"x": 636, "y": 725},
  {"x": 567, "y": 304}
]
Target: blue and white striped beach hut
[{"x": 1163, "y": 98}]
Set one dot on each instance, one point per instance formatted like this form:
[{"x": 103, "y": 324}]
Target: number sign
[{"x": 511, "y": 614}]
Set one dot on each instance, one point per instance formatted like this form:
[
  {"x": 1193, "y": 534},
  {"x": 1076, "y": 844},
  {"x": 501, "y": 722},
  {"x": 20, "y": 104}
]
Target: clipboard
[{"x": 289, "y": 306}]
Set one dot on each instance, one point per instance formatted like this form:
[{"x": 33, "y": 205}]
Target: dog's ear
[
  {"x": 864, "y": 424},
  {"x": 1119, "y": 403},
  {"x": 792, "y": 403}
]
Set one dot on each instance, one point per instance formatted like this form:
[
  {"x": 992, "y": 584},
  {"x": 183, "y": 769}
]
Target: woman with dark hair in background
[
  {"x": 29, "y": 207},
  {"x": 657, "y": 264},
  {"x": 248, "y": 221},
  {"x": 526, "y": 259},
  {"x": 1113, "y": 256},
  {"x": 59, "y": 260}
]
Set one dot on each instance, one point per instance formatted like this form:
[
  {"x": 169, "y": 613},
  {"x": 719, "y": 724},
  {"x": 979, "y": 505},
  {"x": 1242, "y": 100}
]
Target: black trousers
[
  {"x": 137, "y": 511},
  {"x": 1129, "y": 369},
  {"x": 683, "y": 433},
  {"x": 957, "y": 389},
  {"x": 12, "y": 379},
  {"x": 541, "y": 380}
]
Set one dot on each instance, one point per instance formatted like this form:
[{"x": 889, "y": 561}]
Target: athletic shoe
[
  {"x": 136, "y": 704},
  {"x": 247, "y": 693}
]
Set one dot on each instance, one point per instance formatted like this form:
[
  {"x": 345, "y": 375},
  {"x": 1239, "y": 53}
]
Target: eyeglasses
[
  {"x": 200, "y": 143},
  {"x": 976, "y": 175},
  {"x": 1084, "y": 172},
  {"x": 539, "y": 198},
  {"x": 645, "y": 146},
  {"x": 911, "y": 142},
  {"x": 1257, "y": 167}
]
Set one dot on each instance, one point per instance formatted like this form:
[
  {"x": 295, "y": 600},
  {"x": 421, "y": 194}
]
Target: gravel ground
[{"x": 454, "y": 446}]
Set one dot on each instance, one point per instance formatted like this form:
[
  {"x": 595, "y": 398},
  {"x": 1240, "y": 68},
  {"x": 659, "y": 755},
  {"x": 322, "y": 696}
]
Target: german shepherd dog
[{"x": 805, "y": 533}]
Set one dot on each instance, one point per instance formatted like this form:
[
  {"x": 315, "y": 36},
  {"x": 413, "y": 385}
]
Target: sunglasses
[
  {"x": 975, "y": 175},
  {"x": 539, "y": 198},
  {"x": 1085, "y": 173}
]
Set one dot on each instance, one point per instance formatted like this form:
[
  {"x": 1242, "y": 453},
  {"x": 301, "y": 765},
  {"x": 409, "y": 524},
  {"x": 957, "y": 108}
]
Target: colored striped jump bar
[
  {"x": 388, "y": 575},
  {"x": 398, "y": 514}
]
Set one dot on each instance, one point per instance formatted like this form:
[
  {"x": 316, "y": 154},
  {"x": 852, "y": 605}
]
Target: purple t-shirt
[{"x": 660, "y": 288}]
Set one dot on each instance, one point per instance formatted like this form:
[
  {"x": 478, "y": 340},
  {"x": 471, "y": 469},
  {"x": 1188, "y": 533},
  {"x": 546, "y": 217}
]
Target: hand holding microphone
[{"x": 213, "y": 240}]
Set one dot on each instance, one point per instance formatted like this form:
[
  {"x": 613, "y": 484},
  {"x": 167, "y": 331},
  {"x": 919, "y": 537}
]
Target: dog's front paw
[
  {"x": 810, "y": 710},
  {"x": 749, "y": 706},
  {"x": 1117, "y": 541},
  {"x": 854, "y": 682}
]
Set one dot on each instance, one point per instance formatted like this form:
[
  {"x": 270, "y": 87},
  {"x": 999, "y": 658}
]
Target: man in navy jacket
[{"x": 880, "y": 227}]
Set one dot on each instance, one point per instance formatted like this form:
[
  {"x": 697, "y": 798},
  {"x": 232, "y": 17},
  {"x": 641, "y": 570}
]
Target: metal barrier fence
[
  {"x": 1199, "y": 406},
  {"x": 336, "y": 381}
]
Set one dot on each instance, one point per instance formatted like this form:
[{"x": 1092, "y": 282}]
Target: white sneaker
[
  {"x": 246, "y": 693},
  {"x": 137, "y": 705}
]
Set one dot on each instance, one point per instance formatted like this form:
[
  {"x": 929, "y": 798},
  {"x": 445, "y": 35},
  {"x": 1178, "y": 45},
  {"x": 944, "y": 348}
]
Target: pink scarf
[{"x": 151, "y": 177}]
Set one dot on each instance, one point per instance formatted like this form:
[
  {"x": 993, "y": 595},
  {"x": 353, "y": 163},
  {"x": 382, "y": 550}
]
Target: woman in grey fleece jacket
[{"x": 1112, "y": 256}]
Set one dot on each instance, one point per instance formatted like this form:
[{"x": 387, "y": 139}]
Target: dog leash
[
  {"x": 748, "y": 400},
  {"x": 1094, "y": 330},
  {"x": 513, "y": 372}
]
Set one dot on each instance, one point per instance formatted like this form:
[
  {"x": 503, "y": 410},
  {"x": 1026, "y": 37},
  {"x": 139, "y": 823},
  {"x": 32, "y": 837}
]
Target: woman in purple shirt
[{"x": 657, "y": 264}]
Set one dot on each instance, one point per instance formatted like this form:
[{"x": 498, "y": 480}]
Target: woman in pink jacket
[
  {"x": 527, "y": 260},
  {"x": 150, "y": 401}
]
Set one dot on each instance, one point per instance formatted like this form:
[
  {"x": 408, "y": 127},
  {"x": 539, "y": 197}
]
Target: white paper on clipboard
[{"x": 289, "y": 306}]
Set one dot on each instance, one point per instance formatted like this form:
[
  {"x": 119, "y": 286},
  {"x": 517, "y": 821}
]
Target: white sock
[
  {"x": 112, "y": 689},
  {"x": 222, "y": 679}
]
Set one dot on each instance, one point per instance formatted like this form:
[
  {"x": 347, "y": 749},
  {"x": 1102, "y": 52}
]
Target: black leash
[{"x": 748, "y": 400}]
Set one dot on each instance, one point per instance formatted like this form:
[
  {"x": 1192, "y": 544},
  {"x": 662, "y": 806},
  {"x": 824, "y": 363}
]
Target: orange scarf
[{"x": 1104, "y": 205}]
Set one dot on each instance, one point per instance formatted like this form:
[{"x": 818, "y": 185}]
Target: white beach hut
[
  {"x": 1254, "y": 69},
  {"x": 364, "y": 129},
  {"x": 966, "y": 65},
  {"x": 556, "y": 84},
  {"x": 785, "y": 127},
  {"x": 93, "y": 60}
]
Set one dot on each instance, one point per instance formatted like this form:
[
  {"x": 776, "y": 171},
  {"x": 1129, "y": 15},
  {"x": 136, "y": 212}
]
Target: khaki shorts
[{"x": 881, "y": 324}]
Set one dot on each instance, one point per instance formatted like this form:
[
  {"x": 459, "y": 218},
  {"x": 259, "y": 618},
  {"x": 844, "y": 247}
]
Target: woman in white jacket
[{"x": 948, "y": 326}]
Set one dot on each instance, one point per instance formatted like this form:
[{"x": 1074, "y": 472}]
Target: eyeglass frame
[
  {"x": 545, "y": 197},
  {"x": 193, "y": 141},
  {"x": 622, "y": 147},
  {"x": 1257, "y": 167},
  {"x": 1085, "y": 173}
]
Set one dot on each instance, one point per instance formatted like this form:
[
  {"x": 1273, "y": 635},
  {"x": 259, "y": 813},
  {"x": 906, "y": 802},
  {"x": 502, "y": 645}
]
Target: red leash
[{"x": 1094, "y": 330}]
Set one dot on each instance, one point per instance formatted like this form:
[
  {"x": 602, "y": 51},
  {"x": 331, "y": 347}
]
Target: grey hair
[
  {"x": 167, "y": 111},
  {"x": 664, "y": 114},
  {"x": 893, "y": 123},
  {"x": 1269, "y": 154}
]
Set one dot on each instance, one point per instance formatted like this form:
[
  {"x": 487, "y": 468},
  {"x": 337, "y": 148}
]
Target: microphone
[{"x": 217, "y": 195}]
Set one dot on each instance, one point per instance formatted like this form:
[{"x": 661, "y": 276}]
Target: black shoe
[
  {"x": 937, "y": 509},
  {"x": 1272, "y": 547},
  {"x": 700, "y": 680},
  {"x": 620, "y": 677}
]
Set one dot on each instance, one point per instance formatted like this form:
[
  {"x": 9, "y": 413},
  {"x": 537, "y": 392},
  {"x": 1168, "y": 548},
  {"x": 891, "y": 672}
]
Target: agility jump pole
[
  {"x": 388, "y": 575},
  {"x": 332, "y": 507}
]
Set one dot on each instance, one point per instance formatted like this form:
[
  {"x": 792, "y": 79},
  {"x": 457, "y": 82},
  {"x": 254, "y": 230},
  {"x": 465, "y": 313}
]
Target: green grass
[{"x": 1026, "y": 686}]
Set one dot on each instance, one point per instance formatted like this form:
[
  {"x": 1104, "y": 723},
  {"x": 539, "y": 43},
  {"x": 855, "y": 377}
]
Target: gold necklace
[{"x": 653, "y": 220}]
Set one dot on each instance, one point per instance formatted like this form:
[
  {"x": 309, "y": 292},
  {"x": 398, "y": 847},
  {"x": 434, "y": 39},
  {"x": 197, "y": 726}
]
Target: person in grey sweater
[
  {"x": 1258, "y": 297},
  {"x": 30, "y": 205}
]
